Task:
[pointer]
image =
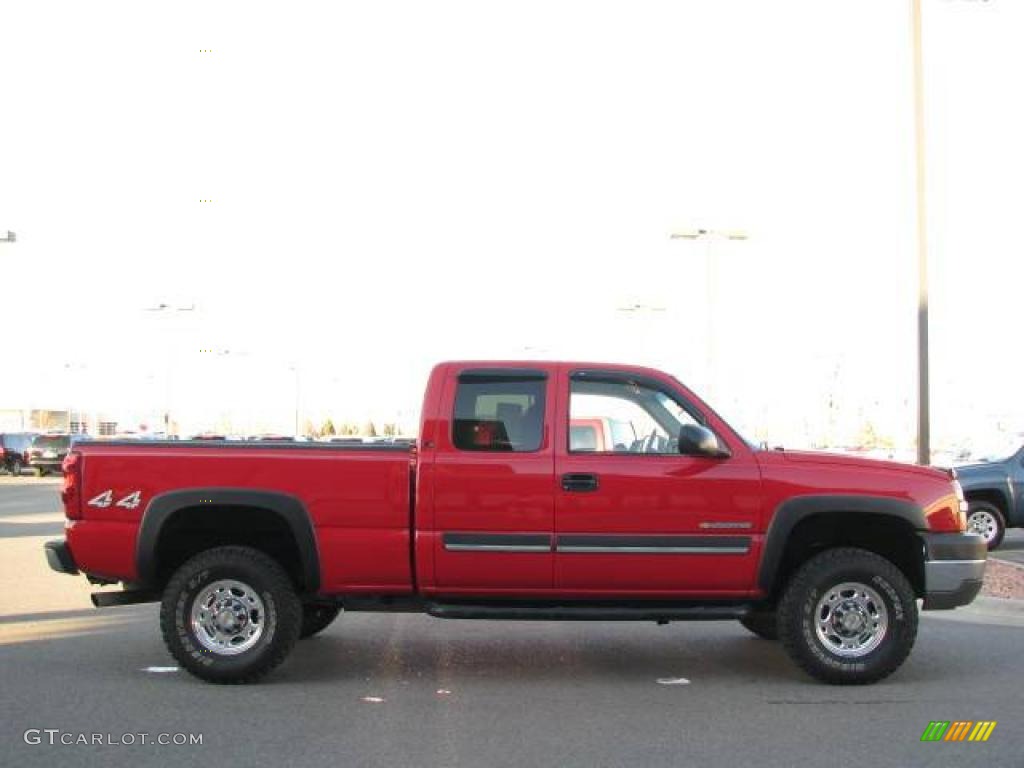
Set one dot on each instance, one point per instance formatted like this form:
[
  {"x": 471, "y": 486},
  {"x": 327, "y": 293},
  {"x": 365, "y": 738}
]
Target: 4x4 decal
[{"x": 105, "y": 499}]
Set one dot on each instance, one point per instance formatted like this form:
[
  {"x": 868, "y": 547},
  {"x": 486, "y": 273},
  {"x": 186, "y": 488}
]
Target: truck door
[
  {"x": 636, "y": 515},
  {"x": 493, "y": 481}
]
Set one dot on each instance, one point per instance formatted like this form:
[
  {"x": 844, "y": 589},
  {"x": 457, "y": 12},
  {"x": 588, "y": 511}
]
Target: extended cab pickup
[{"x": 508, "y": 508}]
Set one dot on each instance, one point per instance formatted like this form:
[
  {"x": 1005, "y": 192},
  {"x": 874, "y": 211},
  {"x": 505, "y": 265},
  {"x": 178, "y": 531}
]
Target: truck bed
[{"x": 358, "y": 499}]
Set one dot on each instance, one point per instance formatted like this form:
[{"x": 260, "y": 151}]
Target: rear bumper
[
  {"x": 58, "y": 555},
  {"x": 954, "y": 568},
  {"x": 50, "y": 465}
]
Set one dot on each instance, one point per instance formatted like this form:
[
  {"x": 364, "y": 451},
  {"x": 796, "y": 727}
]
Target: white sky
[{"x": 398, "y": 183}]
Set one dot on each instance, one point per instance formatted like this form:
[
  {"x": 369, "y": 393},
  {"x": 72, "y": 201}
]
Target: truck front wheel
[
  {"x": 848, "y": 617},
  {"x": 230, "y": 615},
  {"x": 764, "y": 624},
  {"x": 316, "y": 617}
]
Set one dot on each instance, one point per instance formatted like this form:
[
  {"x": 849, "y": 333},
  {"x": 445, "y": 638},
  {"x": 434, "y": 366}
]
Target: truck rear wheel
[
  {"x": 764, "y": 624},
  {"x": 848, "y": 617},
  {"x": 316, "y": 617},
  {"x": 230, "y": 615}
]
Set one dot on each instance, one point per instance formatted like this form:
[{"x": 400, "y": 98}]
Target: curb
[
  {"x": 1001, "y": 606},
  {"x": 984, "y": 610},
  {"x": 1001, "y": 561}
]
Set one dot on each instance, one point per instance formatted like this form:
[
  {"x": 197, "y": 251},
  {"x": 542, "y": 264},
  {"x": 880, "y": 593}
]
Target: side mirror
[{"x": 695, "y": 440}]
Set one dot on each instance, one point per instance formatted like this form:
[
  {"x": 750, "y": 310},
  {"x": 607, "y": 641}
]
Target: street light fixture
[{"x": 696, "y": 234}]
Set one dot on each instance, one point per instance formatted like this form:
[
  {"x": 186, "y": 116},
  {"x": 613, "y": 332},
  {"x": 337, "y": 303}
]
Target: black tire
[
  {"x": 15, "y": 468},
  {"x": 764, "y": 624},
  {"x": 811, "y": 584},
  {"x": 38, "y": 471},
  {"x": 994, "y": 526},
  {"x": 280, "y": 619},
  {"x": 316, "y": 617}
]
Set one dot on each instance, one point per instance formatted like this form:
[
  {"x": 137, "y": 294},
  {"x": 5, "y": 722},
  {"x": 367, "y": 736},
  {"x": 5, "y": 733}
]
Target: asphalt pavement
[{"x": 408, "y": 690}]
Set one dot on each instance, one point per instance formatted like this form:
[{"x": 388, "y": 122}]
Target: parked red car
[{"x": 496, "y": 514}]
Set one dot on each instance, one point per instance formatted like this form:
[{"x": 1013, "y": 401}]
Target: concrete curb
[
  {"x": 998, "y": 605},
  {"x": 1001, "y": 561},
  {"x": 984, "y": 610},
  {"x": 29, "y": 481}
]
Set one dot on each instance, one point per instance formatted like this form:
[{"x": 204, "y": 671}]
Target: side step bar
[
  {"x": 589, "y": 611},
  {"x": 127, "y": 597}
]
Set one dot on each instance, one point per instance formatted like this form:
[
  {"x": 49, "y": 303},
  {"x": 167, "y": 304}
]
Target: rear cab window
[{"x": 499, "y": 410}]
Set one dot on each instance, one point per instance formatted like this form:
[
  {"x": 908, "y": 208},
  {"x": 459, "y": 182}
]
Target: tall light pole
[
  {"x": 709, "y": 236},
  {"x": 294, "y": 368},
  {"x": 924, "y": 451},
  {"x": 76, "y": 394},
  {"x": 161, "y": 309}
]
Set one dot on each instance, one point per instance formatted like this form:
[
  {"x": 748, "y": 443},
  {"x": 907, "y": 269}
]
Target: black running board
[
  {"x": 126, "y": 597},
  {"x": 589, "y": 611}
]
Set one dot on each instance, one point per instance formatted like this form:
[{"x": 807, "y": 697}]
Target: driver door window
[{"x": 623, "y": 417}]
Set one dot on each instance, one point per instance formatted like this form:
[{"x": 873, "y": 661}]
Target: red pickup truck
[{"x": 506, "y": 510}]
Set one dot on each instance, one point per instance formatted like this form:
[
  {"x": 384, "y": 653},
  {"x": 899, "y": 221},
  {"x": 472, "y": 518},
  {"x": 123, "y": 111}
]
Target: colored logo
[{"x": 958, "y": 730}]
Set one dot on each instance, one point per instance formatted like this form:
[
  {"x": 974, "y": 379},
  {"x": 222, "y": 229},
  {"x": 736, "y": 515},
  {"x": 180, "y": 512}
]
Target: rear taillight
[{"x": 71, "y": 491}]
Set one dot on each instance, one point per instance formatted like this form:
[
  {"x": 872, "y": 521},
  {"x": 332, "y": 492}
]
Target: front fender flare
[{"x": 792, "y": 511}]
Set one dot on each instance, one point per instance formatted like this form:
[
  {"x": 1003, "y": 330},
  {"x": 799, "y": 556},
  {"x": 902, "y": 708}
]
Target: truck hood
[
  {"x": 841, "y": 460},
  {"x": 982, "y": 467},
  {"x": 787, "y": 473},
  {"x": 976, "y": 475}
]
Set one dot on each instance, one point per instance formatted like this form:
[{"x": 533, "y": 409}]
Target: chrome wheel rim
[
  {"x": 228, "y": 617},
  {"x": 983, "y": 523},
  {"x": 851, "y": 619}
]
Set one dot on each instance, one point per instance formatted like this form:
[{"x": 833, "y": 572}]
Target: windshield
[
  {"x": 733, "y": 425},
  {"x": 51, "y": 442},
  {"x": 997, "y": 448}
]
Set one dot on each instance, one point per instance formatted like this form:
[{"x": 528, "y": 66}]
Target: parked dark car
[
  {"x": 14, "y": 450},
  {"x": 995, "y": 495},
  {"x": 47, "y": 453}
]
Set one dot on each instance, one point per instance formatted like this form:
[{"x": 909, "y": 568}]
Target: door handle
[{"x": 579, "y": 482}]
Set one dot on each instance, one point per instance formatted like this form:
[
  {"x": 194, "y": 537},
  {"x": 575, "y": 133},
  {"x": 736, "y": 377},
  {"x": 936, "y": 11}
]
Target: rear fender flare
[{"x": 163, "y": 507}]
